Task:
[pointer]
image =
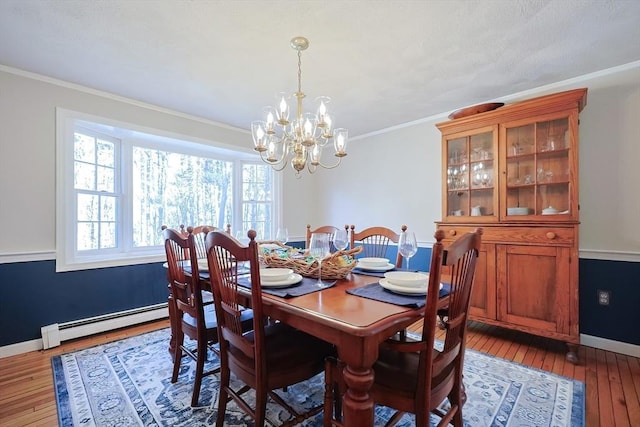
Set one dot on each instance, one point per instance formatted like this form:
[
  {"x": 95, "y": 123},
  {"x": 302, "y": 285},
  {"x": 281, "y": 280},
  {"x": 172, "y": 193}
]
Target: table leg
[{"x": 357, "y": 404}]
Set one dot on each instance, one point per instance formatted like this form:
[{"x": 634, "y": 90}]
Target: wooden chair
[
  {"x": 199, "y": 232},
  {"x": 273, "y": 355},
  {"x": 411, "y": 376},
  {"x": 191, "y": 316},
  {"x": 329, "y": 229},
  {"x": 375, "y": 241}
]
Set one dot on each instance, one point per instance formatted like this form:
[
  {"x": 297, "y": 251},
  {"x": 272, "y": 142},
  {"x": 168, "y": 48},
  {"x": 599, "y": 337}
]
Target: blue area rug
[{"x": 127, "y": 383}]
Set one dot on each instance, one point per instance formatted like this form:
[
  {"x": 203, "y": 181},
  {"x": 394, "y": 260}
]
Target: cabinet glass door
[
  {"x": 470, "y": 179},
  {"x": 538, "y": 169}
]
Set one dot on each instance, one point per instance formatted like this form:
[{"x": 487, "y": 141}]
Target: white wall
[
  {"x": 390, "y": 179},
  {"x": 394, "y": 178},
  {"x": 27, "y": 152}
]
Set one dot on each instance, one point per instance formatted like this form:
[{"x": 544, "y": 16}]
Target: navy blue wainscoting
[
  {"x": 620, "y": 320},
  {"x": 33, "y": 295}
]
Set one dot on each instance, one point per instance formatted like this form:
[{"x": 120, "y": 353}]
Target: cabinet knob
[
  {"x": 551, "y": 235},
  {"x": 452, "y": 232}
]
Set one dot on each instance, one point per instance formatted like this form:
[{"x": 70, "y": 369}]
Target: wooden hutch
[{"x": 514, "y": 172}]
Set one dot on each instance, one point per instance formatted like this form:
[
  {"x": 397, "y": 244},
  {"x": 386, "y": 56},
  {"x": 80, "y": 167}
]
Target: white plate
[
  {"x": 367, "y": 268},
  {"x": 291, "y": 280},
  {"x": 203, "y": 265},
  {"x": 402, "y": 290},
  {"x": 374, "y": 261}
]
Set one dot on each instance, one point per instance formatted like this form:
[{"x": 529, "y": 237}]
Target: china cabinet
[{"x": 514, "y": 172}]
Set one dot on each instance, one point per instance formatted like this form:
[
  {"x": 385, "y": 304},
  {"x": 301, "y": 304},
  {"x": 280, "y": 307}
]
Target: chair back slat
[
  {"x": 375, "y": 241},
  {"x": 224, "y": 254},
  {"x": 185, "y": 289},
  {"x": 459, "y": 260},
  {"x": 326, "y": 229}
]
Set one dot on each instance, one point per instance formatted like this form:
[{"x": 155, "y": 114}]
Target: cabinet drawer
[{"x": 564, "y": 236}]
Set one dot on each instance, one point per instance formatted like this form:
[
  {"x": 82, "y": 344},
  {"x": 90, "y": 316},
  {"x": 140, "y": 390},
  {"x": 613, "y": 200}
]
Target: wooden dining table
[{"x": 354, "y": 324}]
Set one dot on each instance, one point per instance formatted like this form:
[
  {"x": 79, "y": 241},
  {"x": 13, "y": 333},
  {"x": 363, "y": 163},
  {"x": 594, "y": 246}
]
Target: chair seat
[
  {"x": 291, "y": 356},
  {"x": 397, "y": 370},
  {"x": 210, "y": 321}
]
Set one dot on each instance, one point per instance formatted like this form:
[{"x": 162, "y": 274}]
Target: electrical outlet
[{"x": 603, "y": 297}]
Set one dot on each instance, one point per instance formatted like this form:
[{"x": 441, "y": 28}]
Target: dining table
[{"x": 356, "y": 324}]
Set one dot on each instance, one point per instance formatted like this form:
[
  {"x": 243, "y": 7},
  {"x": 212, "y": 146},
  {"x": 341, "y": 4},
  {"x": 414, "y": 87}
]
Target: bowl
[
  {"x": 518, "y": 211},
  {"x": 409, "y": 279},
  {"x": 373, "y": 262},
  {"x": 275, "y": 274}
]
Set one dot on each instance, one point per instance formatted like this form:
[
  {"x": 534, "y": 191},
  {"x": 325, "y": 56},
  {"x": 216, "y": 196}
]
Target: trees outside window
[{"x": 116, "y": 192}]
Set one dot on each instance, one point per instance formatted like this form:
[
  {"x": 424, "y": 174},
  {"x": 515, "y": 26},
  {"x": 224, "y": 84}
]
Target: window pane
[
  {"x": 88, "y": 207},
  {"x": 107, "y": 208},
  {"x": 105, "y": 179},
  {"x": 107, "y": 235},
  {"x": 84, "y": 148},
  {"x": 106, "y": 153},
  {"x": 172, "y": 189},
  {"x": 84, "y": 176},
  {"x": 87, "y": 236},
  {"x": 257, "y": 194}
]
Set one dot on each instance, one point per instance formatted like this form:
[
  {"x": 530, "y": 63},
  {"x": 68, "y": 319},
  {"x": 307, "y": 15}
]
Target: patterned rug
[{"x": 127, "y": 383}]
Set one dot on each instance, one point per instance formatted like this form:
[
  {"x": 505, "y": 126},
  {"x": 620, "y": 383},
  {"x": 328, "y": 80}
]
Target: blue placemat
[
  {"x": 306, "y": 286},
  {"x": 204, "y": 274},
  {"x": 376, "y": 292},
  {"x": 357, "y": 270}
]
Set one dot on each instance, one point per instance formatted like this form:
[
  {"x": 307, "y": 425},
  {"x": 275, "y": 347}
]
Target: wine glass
[
  {"x": 282, "y": 235},
  {"x": 407, "y": 245},
  {"x": 319, "y": 249},
  {"x": 340, "y": 239}
]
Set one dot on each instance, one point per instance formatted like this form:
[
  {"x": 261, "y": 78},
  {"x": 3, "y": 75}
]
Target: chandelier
[{"x": 298, "y": 140}]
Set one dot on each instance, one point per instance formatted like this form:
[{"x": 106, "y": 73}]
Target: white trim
[
  {"x": 20, "y": 348},
  {"x": 128, "y": 135},
  {"x": 609, "y": 255},
  {"x": 86, "y": 330},
  {"x": 8, "y": 258},
  {"x": 27, "y": 256},
  {"x": 118, "y": 98},
  {"x": 510, "y": 98},
  {"x": 610, "y": 345}
]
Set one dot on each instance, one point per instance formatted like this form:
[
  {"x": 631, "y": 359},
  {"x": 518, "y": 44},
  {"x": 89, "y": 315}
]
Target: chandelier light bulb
[
  {"x": 340, "y": 138},
  {"x": 258, "y": 132},
  {"x": 283, "y": 109}
]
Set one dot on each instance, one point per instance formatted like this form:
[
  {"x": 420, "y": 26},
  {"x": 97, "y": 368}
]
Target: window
[{"x": 118, "y": 185}]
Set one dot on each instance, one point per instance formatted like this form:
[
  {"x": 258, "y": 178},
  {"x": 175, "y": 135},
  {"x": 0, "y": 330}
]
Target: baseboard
[
  {"x": 610, "y": 345},
  {"x": 114, "y": 323},
  {"x": 86, "y": 330},
  {"x": 20, "y": 348}
]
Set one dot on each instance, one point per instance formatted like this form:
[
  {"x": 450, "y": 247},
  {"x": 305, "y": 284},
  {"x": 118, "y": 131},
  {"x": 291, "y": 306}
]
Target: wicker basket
[{"x": 332, "y": 269}]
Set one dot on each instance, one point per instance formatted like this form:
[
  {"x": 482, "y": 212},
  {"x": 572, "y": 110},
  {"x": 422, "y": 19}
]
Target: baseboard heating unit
[{"x": 54, "y": 334}]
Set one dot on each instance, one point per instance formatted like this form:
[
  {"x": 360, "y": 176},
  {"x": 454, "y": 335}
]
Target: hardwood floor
[{"x": 612, "y": 380}]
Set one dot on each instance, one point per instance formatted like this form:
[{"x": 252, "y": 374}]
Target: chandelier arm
[
  {"x": 282, "y": 161},
  {"x": 323, "y": 166}
]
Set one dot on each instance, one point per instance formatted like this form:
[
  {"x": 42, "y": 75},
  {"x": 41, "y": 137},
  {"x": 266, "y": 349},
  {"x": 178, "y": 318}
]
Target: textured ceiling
[{"x": 383, "y": 62}]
